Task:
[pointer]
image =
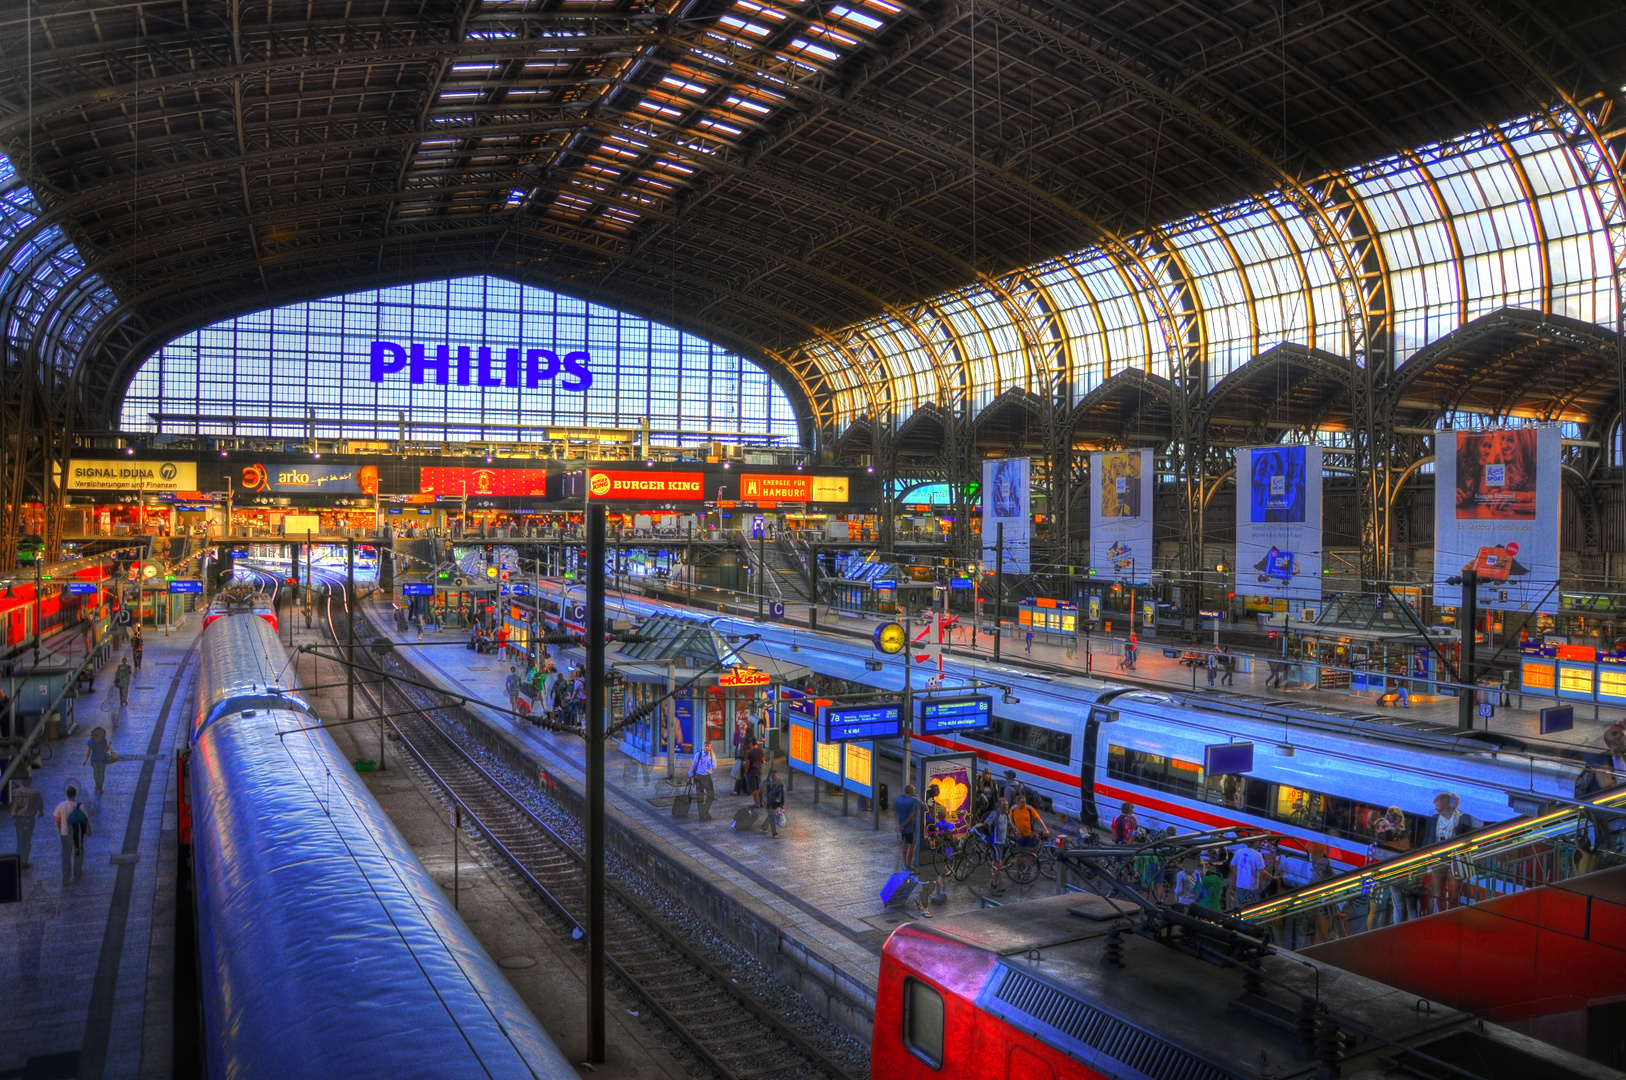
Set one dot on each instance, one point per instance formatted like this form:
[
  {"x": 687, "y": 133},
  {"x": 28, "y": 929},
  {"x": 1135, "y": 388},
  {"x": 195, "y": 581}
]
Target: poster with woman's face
[
  {"x": 1007, "y": 491},
  {"x": 1120, "y": 485},
  {"x": 1496, "y": 475}
]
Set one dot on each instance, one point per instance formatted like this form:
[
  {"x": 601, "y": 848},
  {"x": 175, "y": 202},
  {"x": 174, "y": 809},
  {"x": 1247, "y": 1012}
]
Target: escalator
[{"x": 1523, "y": 923}]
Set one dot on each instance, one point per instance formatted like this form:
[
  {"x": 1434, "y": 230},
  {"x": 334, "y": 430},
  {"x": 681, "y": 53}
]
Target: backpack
[
  {"x": 78, "y": 820},
  {"x": 1123, "y": 828}
]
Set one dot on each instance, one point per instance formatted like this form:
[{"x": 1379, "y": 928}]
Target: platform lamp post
[
  {"x": 350, "y": 627},
  {"x": 999, "y": 581},
  {"x": 762, "y": 573},
  {"x": 594, "y": 816},
  {"x": 1468, "y": 615}
]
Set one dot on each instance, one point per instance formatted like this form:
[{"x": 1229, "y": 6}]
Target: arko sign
[{"x": 480, "y": 366}]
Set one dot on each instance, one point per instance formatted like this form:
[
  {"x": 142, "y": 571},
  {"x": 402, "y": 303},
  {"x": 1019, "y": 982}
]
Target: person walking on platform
[
  {"x": 72, "y": 826},
  {"x": 1227, "y": 667},
  {"x": 773, "y": 798},
  {"x": 510, "y": 686},
  {"x": 135, "y": 649},
  {"x": 705, "y": 788},
  {"x": 27, "y": 807},
  {"x": 907, "y": 809},
  {"x": 1211, "y": 663},
  {"x": 754, "y": 758},
  {"x": 98, "y": 753},
  {"x": 1027, "y": 640},
  {"x": 121, "y": 679}
]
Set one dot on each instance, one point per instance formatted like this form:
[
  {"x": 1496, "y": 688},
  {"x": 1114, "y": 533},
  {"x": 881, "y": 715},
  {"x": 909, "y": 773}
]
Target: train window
[
  {"x": 1027, "y": 739},
  {"x": 1155, "y": 771},
  {"x": 923, "y": 1022}
]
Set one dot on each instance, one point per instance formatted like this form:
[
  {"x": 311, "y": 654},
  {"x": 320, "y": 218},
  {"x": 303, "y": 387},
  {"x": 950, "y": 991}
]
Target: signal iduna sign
[
  {"x": 646, "y": 485},
  {"x": 127, "y": 475},
  {"x": 792, "y": 487}
]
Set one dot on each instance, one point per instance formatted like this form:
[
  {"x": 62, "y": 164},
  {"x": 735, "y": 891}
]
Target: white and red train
[{"x": 1320, "y": 777}]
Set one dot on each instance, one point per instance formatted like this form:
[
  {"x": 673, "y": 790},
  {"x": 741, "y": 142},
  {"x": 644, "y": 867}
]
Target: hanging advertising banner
[
  {"x": 792, "y": 487},
  {"x": 116, "y": 475},
  {"x": 1496, "y": 512},
  {"x": 1006, "y": 501},
  {"x": 293, "y": 479},
  {"x": 455, "y": 481},
  {"x": 1278, "y": 522},
  {"x": 646, "y": 485},
  {"x": 1121, "y": 515}
]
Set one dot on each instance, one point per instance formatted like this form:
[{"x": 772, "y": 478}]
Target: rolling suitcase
[
  {"x": 681, "y": 804},
  {"x": 898, "y": 888}
]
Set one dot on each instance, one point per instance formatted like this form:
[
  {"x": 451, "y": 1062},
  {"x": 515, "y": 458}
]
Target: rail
[{"x": 645, "y": 951}]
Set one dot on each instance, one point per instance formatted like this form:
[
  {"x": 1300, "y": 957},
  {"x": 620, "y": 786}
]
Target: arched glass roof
[
  {"x": 1503, "y": 217},
  {"x": 49, "y": 302}
]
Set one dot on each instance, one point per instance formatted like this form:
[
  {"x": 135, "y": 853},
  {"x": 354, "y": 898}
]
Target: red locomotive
[{"x": 1075, "y": 987}]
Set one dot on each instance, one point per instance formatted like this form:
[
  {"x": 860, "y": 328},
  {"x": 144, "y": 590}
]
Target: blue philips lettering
[
  {"x": 387, "y": 357},
  {"x": 534, "y": 372},
  {"x": 518, "y": 368},
  {"x": 576, "y": 364},
  {"x": 422, "y": 365},
  {"x": 486, "y": 378}
]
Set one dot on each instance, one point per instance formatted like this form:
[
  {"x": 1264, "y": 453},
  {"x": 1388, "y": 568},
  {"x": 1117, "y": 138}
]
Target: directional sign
[
  {"x": 960, "y": 583},
  {"x": 82, "y": 588},
  {"x": 973, "y": 713},
  {"x": 186, "y": 586},
  {"x": 886, "y": 586},
  {"x": 1228, "y": 759},
  {"x": 865, "y": 722},
  {"x": 417, "y": 588}
]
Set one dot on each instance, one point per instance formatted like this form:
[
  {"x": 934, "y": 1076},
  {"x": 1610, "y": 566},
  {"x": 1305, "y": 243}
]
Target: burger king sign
[{"x": 654, "y": 486}]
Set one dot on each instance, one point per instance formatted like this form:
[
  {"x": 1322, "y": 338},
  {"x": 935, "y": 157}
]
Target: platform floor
[
  {"x": 819, "y": 882},
  {"x": 88, "y": 967}
]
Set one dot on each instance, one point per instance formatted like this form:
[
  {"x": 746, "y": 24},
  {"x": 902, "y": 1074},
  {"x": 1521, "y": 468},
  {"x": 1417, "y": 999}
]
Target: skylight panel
[
  {"x": 802, "y": 45},
  {"x": 847, "y": 14},
  {"x": 658, "y": 109},
  {"x": 685, "y": 86},
  {"x": 772, "y": 14},
  {"x": 833, "y": 35},
  {"x": 750, "y": 106},
  {"x": 473, "y": 69},
  {"x": 754, "y": 29},
  {"x": 718, "y": 125}
]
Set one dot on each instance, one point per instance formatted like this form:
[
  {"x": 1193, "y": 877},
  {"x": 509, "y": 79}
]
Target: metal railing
[{"x": 1493, "y": 862}]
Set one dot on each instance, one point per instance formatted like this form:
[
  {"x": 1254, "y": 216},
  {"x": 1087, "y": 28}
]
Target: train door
[{"x": 1087, "y": 754}]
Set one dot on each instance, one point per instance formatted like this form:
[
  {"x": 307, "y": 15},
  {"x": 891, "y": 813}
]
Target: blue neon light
[{"x": 478, "y": 363}]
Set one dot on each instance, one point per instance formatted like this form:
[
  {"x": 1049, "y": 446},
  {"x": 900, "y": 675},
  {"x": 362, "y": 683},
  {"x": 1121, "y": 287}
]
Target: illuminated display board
[
  {"x": 454, "y": 481},
  {"x": 864, "y": 722},
  {"x": 793, "y": 487},
  {"x": 973, "y": 713}
]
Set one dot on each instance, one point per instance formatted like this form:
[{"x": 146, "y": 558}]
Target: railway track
[{"x": 735, "y": 1035}]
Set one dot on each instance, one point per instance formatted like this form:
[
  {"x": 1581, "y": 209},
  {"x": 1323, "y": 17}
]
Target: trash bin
[{"x": 53, "y": 726}]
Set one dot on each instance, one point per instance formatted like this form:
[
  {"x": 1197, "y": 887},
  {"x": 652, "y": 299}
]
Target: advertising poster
[
  {"x": 326, "y": 479},
  {"x": 454, "y": 481},
  {"x": 128, "y": 475},
  {"x": 1005, "y": 501},
  {"x": 1278, "y": 522},
  {"x": 1121, "y": 515},
  {"x": 1496, "y": 512},
  {"x": 714, "y": 714},
  {"x": 955, "y": 775},
  {"x": 793, "y": 487}
]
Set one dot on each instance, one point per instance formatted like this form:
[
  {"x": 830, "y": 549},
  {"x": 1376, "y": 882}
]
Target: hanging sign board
[{"x": 938, "y": 715}]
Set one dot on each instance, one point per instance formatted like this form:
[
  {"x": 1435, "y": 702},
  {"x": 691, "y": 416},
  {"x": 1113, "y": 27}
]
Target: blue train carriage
[{"x": 324, "y": 946}]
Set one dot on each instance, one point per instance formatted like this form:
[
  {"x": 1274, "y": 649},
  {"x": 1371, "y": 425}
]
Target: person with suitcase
[
  {"x": 700, "y": 773},
  {"x": 773, "y": 798}
]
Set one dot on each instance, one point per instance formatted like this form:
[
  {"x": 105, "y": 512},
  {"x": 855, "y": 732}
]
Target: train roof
[
  {"x": 1166, "y": 1013},
  {"x": 242, "y": 660}
]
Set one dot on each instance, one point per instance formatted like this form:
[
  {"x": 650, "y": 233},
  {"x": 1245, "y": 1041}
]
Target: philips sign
[{"x": 479, "y": 367}]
